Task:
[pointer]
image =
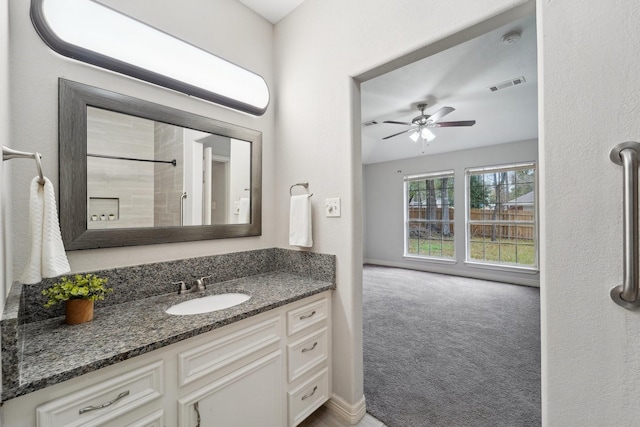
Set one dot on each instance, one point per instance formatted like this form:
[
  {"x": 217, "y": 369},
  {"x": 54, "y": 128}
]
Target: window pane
[
  {"x": 430, "y": 212},
  {"x": 501, "y": 215}
]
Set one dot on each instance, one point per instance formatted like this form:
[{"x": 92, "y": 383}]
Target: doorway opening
[{"x": 462, "y": 108}]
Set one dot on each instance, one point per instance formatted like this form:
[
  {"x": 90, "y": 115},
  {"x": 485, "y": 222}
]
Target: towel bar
[
  {"x": 300, "y": 184},
  {"x": 9, "y": 153},
  {"x": 627, "y": 155}
]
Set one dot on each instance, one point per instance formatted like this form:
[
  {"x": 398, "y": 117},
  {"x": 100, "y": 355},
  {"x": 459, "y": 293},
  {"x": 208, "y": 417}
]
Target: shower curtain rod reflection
[{"x": 173, "y": 162}]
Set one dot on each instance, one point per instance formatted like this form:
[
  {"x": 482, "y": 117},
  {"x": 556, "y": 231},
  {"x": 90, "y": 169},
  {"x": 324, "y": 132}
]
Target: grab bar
[
  {"x": 182, "y": 197},
  {"x": 627, "y": 154}
]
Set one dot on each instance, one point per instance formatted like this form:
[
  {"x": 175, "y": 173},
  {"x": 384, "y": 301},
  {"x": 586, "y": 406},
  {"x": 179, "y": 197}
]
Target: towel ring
[{"x": 301, "y": 184}]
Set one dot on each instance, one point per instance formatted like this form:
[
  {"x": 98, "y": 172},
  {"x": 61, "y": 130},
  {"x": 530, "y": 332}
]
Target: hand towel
[
  {"x": 244, "y": 212},
  {"x": 300, "y": 221},
  {"x": 47, "y": 257}
]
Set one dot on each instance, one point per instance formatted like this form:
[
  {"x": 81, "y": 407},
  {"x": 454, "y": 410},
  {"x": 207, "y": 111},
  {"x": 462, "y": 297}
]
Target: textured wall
[{"x": 591, "y": 347}]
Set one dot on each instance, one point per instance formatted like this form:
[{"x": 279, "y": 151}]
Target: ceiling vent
[
  {"x": 370, "y": 123},
  {"x": 509, "y": 83}
]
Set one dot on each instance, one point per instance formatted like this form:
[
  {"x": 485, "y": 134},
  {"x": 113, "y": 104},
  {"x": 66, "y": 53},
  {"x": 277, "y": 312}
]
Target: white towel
[
  {"x": 300, "y": 221},
  {"x": 244, "y": 213},
  {"x": 47, "y": 257}
]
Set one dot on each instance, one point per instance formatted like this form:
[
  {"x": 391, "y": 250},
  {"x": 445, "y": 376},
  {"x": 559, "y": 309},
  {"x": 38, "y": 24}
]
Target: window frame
[
  {"x": 449, "y": 173},
  {"x": 534, "y": 268}
]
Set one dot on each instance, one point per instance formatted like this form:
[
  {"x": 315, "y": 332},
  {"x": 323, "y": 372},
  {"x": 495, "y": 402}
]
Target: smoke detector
[{"x": 511, "y": 37}]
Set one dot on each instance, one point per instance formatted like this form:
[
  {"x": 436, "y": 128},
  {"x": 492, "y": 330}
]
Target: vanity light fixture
[{"x": 96, "y": 34}]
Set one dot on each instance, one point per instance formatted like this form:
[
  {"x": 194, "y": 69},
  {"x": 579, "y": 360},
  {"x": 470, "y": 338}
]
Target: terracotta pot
[{"x": 78, "y": 311}]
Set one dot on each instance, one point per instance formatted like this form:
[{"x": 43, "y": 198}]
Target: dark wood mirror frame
[{"x": 74, "y": 98}]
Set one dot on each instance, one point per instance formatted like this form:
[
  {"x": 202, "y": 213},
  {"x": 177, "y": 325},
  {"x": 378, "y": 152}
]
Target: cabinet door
[{"x": 250, "y": 396}]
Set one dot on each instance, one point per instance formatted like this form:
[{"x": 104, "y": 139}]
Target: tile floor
[{"x": 325, "y": 418}]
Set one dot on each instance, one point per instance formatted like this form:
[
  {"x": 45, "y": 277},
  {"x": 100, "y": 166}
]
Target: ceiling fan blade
[
  {"x": 452, "y": 124},
  {"x": 399, "y": 133},
  {"x": 397, "y": 123},
  {"x": 441, "y": 113}
]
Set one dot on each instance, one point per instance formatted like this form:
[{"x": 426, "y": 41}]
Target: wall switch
[{"x": 332, "y": 207}]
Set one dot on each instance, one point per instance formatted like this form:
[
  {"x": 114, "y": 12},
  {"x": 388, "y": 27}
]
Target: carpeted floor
[{"x": 450, "y": 351}]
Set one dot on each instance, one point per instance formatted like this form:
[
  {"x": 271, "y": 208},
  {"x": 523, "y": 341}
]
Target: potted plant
[{"x": 78, "y": 292}]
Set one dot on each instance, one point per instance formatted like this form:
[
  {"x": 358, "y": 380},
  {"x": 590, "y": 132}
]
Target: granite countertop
[{"x": 53, "y": 352}]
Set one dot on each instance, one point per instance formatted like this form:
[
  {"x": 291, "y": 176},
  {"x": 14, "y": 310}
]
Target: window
[
  {"x": 501, "y": 215},
  {"x": 429, "y": 215}
]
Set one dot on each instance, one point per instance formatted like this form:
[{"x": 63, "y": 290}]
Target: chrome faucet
[{"x": 198, "y": 286}]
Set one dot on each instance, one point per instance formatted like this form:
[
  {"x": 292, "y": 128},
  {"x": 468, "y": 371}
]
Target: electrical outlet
[{"x": 332, "y": 207}]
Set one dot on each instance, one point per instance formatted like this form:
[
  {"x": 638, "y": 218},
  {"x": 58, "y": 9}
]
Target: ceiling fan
[{"x": 420, "y": 124}]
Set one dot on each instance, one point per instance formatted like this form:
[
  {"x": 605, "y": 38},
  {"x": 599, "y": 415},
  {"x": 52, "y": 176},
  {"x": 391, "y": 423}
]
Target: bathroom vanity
[{"x": 265, "y": 362}]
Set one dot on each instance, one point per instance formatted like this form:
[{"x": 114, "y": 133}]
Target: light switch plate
[{"x": 332, "y": 207}]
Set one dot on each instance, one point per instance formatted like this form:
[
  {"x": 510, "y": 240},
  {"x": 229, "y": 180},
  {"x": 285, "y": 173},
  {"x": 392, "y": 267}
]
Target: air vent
[
  {"x": 370, "y": 123},
  {"x": 509, "y": 83}
]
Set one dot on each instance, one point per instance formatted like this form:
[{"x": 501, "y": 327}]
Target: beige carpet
[{"x": 449, "y": 351}]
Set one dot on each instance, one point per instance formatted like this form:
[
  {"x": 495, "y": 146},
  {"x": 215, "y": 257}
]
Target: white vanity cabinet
[
  {"x": 308, "y": 357},
  {"x": 234, "y": 377},
  {"x": 271, "y": 369}
]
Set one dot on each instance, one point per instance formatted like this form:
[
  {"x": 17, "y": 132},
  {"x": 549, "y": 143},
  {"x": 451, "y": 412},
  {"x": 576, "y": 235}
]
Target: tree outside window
[
  {"x": 429, "y": 214},
  {"x": 501, "y": 215}
]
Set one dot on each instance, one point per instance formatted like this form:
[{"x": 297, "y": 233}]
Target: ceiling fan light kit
[{"x": 420, "y": 124}]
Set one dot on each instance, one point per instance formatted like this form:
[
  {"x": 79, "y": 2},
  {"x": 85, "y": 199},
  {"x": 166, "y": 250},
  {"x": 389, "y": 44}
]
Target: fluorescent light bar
[{"x": 96, "y": 34}]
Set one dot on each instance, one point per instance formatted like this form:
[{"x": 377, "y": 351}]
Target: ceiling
[
  {"x": 272, "y": 10},
  {"x": 458, "y": 77}
]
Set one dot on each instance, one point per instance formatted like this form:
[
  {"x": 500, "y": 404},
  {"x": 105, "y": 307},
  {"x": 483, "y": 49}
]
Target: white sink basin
[{"x": 207, "y": 304}]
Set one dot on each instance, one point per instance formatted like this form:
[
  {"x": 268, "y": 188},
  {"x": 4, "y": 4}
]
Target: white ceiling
[
  {"x": 272, "y": 10},
  {"x": 458, "y": 77}
]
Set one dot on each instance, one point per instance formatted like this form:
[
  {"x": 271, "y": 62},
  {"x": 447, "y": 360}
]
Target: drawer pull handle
[
  {"x": 308, "y": 315},
  {"x": 306, "y": 396},
  {"x": 315, "y": 344},
  {"x": 197, "y": 409},
  {"x": 104, "y": 405}
]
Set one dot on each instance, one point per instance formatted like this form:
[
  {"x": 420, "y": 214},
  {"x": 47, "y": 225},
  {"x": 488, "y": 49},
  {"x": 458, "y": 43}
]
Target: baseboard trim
[
  {"x": 345, "y": 411},
  {"x": 475, "y": 274}
]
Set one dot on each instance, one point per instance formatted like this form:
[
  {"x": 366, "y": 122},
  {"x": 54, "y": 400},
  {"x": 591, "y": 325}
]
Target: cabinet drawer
[
  {"x": 212, "y": 356},
  {"x": 307, "y": 353},
  {"x": 155, "y": 419},
  {"x": 102, "y": 402},
  {"x": 308, "y": 397},
  {"x": 308, "y": 315}
]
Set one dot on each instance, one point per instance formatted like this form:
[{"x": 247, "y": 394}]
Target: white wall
[
  {"x": 223, "y": 27},
  {"x": 319, "y": 48},
  {"x": 591, "y": 347},
  {"x": 384, "y": 208},
  {"x": 239, "y": 176},
  {"x": 5, "y": 179},
  {"x": 5, "y": 264}
]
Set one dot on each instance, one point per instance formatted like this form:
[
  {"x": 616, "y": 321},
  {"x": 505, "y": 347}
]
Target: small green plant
[{"x": 88, "y": 286}]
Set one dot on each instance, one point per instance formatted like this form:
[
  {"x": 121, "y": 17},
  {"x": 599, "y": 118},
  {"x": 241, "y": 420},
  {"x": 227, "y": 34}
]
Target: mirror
[{"x": 133, "y": 172}]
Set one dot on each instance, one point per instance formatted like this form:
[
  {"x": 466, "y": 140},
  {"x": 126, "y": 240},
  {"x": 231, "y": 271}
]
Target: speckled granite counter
[{"x": 49, "y": 352}]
